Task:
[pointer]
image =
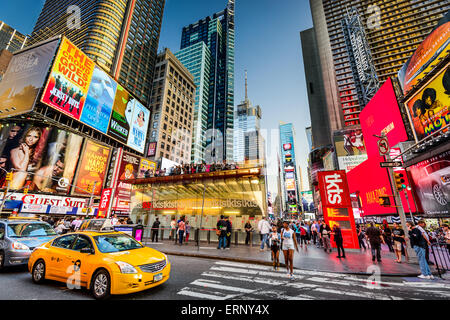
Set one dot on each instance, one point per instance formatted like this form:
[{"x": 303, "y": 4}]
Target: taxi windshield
[
  {"x": 20, "y": 230},
  {"x": 116, "y": 243}
]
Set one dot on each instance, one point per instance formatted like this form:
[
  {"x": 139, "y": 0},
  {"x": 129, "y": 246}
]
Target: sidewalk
[{"x": 312, "y": 258}]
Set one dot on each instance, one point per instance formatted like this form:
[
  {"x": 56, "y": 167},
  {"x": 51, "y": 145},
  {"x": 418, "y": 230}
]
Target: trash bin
[{"x": 134, "y": 230}]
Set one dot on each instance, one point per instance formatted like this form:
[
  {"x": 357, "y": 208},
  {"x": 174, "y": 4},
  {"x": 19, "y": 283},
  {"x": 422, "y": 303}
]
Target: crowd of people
[{"x": 192, "y": 168}]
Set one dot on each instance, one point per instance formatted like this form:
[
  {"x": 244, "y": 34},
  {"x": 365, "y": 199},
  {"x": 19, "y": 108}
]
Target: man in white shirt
[
  {"x": 114, "y": 220},
  {"x": 264, "y": 229}
]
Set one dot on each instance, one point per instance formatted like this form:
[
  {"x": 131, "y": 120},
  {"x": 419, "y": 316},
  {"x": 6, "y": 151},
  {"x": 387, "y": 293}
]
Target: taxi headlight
[
  {"x": 19, "y": 246},
  {"x": 126, "y": 267}
]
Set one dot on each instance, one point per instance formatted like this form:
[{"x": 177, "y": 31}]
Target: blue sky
[{"x": 267, "y": 46}]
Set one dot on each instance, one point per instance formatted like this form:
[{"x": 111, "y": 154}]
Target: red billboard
[
  {"x": 105, "y": 200},
  {"x": 382, "y": 114},
  {"x": 337, "y": 205}
]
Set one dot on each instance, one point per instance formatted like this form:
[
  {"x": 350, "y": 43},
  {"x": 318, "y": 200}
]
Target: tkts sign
[{"x": 337, "y": 205}]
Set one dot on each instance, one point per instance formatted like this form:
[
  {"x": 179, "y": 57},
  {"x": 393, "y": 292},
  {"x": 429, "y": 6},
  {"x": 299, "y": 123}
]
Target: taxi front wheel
[
  {"x": 101, "y": 285},
  {"x": 38, "y": 272}
]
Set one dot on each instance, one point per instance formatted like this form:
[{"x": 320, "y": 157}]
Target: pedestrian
[
  {"x": 314, "y": 232},
  {"x": 446, "y": 232},
  {"x": 222, "y": 233},
  {"x": 114, "y": 220},
  {"x": 188, "y": 231},
  {"x": 155, "y": 230},
  {"x": 248, "y": 229},
  {"x": 360, "y": 234},
  {"x": 275, "y": 243},
  {"x": 296, "y": 228},
  {"x": 128, "y": 220},
  {"x": 173, "y": 228},
  {"x": 398, "y": 235},
  {"x": 421, "y": 226},
  {"x": 375, "y": 239},
  {"x": 303, "y": 236},
  {"x": 387, "y": 235},
  {"x": 418, "y": 243},
  {"x": 325, "y": 232},
  {"x": 181, "y": 230},
  {"x": 229, "y": 229},
  {"x": 339, "y": 240},
  {"x": 264, "y": 229},
  {"x": 289, "y": 243}
]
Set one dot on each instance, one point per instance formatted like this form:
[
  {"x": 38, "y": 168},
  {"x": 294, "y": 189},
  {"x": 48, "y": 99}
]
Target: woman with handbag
[{"x": 288, "y": 244}]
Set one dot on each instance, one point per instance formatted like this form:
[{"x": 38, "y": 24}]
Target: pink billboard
[{"x": 382, "y": 114}]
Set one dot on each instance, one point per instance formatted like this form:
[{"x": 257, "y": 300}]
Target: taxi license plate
[{"x": 158, "y": 277}]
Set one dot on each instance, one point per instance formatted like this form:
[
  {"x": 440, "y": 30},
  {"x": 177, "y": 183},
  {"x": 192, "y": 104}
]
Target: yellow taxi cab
[{"x": 107, "y": 263}]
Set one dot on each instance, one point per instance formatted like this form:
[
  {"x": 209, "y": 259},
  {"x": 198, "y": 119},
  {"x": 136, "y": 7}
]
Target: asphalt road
[{"x": 199, "y": 279}]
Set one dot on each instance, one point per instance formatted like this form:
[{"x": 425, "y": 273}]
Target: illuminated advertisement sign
[
  {"x": 147, "y": 168},
  {"x": 350, "y": 148},
  {"x": 105, "y": 200},
  {"x": 69, "y": 80},
  {"x": 337, "y": 205},
  {"x": 429, "y": 108},
  {"x": 307, "y": 201},
  {"x": 151, "y": 149},
  {"x": 434, "y": 48},
  {"x": 290, "y": 184},
  {"x": 287, "y": 146},
  {"x": 92, "y": 168},
  {"x": 23, "y": 79},
  {"x": 48, "y": 154},
  {"x": 119, "y": 126},
  {"x": 432, "y": 184},
  {"x": 139, "y": 126},
  {"x": 99, "y": 101}
]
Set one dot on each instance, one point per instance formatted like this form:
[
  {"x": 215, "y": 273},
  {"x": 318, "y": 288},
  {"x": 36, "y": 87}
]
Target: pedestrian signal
[{"x": 384, "y": 201}]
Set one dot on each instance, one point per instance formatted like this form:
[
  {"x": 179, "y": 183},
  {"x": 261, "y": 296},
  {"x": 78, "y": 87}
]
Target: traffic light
[
  {"x": 9, "y": 176},
  {"x": 384, "y": 201},
  {"x": 399, "y": 181},
  {"x": 25, "y": 191}
]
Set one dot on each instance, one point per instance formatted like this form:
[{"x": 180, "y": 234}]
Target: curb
[{"x": 267, "y": 263}]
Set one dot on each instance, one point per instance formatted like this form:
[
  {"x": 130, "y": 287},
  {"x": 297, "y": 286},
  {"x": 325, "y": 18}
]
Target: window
[
  {"x": 2, "y": 230},
  {"x": 64, "y": 242},
  {"x": 81, "y": 243}
]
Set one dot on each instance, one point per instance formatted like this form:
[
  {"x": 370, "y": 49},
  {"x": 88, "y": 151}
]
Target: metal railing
[{"x": 441, "y": 256}]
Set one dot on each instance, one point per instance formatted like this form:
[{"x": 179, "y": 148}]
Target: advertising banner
[
  {"x": 350, "y": 148},
  {"x": 337, "y": 205},
  {"x": 99, "y": 101},
  {"x": 122, "y": 112},
  {"x": 434, "y": 48},
  {"x": 429, "y": 108},
  {"x": 151, "y": 149},
  {"x": 105, "y": 200},
  {"x": 139, "y": 126},
  {"x": 147, "y": 168},
  {"x": 307, "y": 201},
  {"x": 129, "y": 169},
  {"x": 69, "y": 80},
  {"x": 290, "y": 184},
  {"x": 23, "y": 79},
  {"x": 92, "y": 168},
  {"x": 431, "y": 179},
  {"x": 47, "y": 157}
]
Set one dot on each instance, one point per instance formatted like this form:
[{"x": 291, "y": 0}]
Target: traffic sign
[
  {"x": 391, "y": 164},
  {"x": 383, "y": 146}
]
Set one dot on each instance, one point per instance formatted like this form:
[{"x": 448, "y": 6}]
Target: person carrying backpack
[
  {"x": 419, "y": 243},
  {"x": 222, "y": 233}
]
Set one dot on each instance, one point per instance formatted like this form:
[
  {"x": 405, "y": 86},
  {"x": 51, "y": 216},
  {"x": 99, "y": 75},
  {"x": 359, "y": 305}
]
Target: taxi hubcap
[
  {"x": 100, "y": 285},
  {"x": 38, "y": 271}
]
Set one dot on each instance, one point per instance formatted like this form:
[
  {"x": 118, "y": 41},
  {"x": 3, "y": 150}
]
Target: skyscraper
[
  {"x": 217, "y": 32},
  {"x": 11, "y": 39},
  {"x": 121, "y": 36},
  {"x": 393, "y": 30},
  {"x": 248, "y": 141}
]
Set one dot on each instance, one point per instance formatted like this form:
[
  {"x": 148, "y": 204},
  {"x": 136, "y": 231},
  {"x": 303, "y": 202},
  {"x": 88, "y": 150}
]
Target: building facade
[
  {"x": 196, "y": 59},
  {"x": 393, "y": 29},
  {"x": 217, "y": 32},
  {"x": 172, "y": 109},
  {"x": 11, "y": 39},
  {"x": 121, "y": 36}
]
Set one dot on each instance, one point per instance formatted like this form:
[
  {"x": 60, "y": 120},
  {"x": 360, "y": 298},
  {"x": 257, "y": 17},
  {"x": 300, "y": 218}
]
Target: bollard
[
  {"x": 251, "y": 239},
  {"x": 236, "y": 234},
  {"x": 208, "y": 237},
  {"x": 162, "y": 234},
  {"x": 197, "y": 236}
]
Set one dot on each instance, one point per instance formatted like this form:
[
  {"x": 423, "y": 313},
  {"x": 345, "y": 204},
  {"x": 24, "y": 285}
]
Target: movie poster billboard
[
  {"x": 429, "y": 107},
  {"x": 129, "y": 168},
  {"x": 44, "y": 158},
  {"x": 350, "y": 148},
  {"x": 92, "y": 169},
  {"x": 139, "y": 126},
  {"x": 69, "y": 80},
  {"x": 151, "y": 149},
  {"x": 431, "y": 179},
  {"x": 307, "y": 201},
  {"x": 24, "y": 78},
  {"x": 433, "y": 49},
  {"x": 99, "y": 101},
  {"x": 147, "y": 168},
  {"x": 122, "y": 112}
]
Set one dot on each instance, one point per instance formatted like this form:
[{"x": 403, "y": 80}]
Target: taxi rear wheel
[
  {"x": 101, "y": 285},
  {"x": 38, "y": 272}
]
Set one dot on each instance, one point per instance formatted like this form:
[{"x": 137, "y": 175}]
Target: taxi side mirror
[{"x": 87, "y": 250}]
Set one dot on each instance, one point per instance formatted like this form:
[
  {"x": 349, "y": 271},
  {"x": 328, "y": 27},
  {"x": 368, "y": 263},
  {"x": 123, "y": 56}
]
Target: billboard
[
  {"x": 69, "y": 80},
  {"x": 99, "y": 101},
  {"x": 45, "y": 158},
  {"x": 92, "y": 169},
  {"x": 429, "y": 107},
  {"x": 139, "y": 126},
  {"x": 122, "y": 111},
  {"x": 147, "y": 168},
  {"x": 24, "y": 78},
  {"x": 151, "y": 149},
  {"x": 128, "y": 170},
  {"x": 290, "y": 184},
  {"x": 433, "y": 49},
  {"x": 432, "y": 184},
  {"x": 307, "y": 201},
  {"x": 350, "y": 148}
]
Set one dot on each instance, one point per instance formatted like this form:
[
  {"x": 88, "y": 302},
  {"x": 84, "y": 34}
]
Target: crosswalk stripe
[
  {"x": 216, "y": 285},
  {"x": 189, "y": 292},
  {"x": 254, "y": 272},
  {"x": 267, "y": 281}
]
